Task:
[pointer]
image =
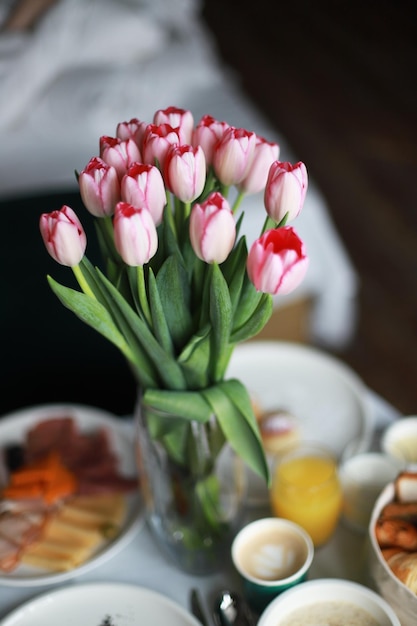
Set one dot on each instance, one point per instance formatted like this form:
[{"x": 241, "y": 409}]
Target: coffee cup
[{"x": 271, "y": 555}]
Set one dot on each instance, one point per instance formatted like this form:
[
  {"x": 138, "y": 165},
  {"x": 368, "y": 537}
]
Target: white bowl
[
  {"x": 325, "y": 590},
  {"x": 400, "y": 440},
  {"x": 395, "y": 592}
]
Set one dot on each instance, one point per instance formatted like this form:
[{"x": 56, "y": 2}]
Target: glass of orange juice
[{"x": 306, "y": 490}]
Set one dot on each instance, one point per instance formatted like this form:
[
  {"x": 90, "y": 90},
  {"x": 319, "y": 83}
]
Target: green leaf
[
  {"x": 137, "y": 331},
  {"x": 91, "y": 312},
  {"x": 97, "y": 316},
  {"x": 190, "y": 405},
  {"x": 174, "y": 292},
  {"x": 195, "y": 359},
  {"x": 221, "y": 319},
  {"x": 228, "y": 402},
  {"x": 159, "y": 322},
  {"x": 238, "y": 275},
  {"x": 248, "y": 301},
  {"x": 256, "y": 322}
]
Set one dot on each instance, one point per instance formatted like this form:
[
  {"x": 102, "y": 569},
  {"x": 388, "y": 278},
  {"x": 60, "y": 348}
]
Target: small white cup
[
  {"x": 271, "y": 555},
  {"x": 363, "y": 476},
  {"x": 400, "y": 440}
]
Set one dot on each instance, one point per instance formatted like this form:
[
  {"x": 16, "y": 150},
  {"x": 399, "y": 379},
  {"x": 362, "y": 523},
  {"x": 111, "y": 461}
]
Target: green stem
[
  {"x": 170, "y": 214},
  {"x": 85, "y": 287},
  {"x": 143, "y": 299},
  {"x": 224, "y": 190},
  {"x": 186, "y": 210},
  {"x": 238, "y": 200}
]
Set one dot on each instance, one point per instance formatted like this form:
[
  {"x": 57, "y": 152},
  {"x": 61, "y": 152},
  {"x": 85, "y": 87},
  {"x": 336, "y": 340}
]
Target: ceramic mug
[{"x": 271, "y": 555}]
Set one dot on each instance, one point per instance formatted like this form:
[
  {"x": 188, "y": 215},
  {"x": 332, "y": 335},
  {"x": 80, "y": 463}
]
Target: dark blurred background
[{"x": 338, "y": 81}]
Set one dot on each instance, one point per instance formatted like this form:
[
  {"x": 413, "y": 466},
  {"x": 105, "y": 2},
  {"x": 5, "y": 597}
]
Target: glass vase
[{"x": 193, "y": 491}]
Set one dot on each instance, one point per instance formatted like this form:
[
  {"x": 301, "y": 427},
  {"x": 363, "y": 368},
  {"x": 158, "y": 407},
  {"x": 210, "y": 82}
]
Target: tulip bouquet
[{"x": 179, "y": 288}]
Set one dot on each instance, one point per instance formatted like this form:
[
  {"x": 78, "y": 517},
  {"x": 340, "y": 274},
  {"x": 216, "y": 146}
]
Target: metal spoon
[{"x": 231, "y": 610}]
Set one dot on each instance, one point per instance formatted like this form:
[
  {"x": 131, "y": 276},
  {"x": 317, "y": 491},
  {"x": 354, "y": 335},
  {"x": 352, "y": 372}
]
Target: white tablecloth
[{"x": 142, "y": 564}]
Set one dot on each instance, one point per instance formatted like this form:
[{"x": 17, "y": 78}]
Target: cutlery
[
  {"x": 197, "y": 607},
  {"x": 230, "y": 609}
]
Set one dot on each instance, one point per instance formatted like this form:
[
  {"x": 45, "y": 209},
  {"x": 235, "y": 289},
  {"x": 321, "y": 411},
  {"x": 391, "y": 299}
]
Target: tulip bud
[
  {"x": 156, "y": 142},
  {"x": 277, "y": 261},
  {"x": 285, "y": 190},
  {"x": 185, "y": 172},
  {"x": 99, "y": 187},
  {"x": 207, "y": 134},
  {"x": 63, "y": 236},
  {"x": 135, "y": 234},
  {"x": 134, "y": 129},
  {"x": 264, "y": 155},
  {"x": 180, "y": 119},
  {"x": 233, "y": 155},
  {"x": 143, "y": 186},
  {"x": 212, "y": 229},
  {"x": 121, "y": 154}
]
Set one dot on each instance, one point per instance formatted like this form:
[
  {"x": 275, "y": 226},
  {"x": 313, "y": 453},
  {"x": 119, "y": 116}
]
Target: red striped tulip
[
  {"x": 233, "y": 155},
  {"x": 135, "y": 234},
  {"x": 176, "y": 118},
  {"x": 99, "y": 187},
  {"x": 207, "y": 133},
  {"x": 63, "y": 236},
  {"x": 156, "y": 142},
  {"x": 285, "y": 190},
  {"x": 185, "y": 171},
  {"x": 143, "y": 186},
  {"x": 277, "y": 261},
  {"x": 119, "y": 153},
  {"x": 264, "y": 155},
  {"x": 212, "y": 229}
]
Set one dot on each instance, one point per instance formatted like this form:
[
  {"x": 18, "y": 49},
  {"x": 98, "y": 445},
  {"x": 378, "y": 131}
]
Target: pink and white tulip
[
  {"x": 176, "y": 118},
  {"x": 99, "y": 187},
  {"x": 143, "y": 186},
  {"x": 264, "y": 155},
  {"x": 277, "y": 261},
  {"x": 63, "y": 236},
  {"x": 285, "y": 190},
  {"x": 119, "y": 153},
  {"x": 135, "y": 234},
  {"x": 233, "y": 155},
  {"x": 207, "y": 134},
  {"x": 134, "y": 129},
  {"x": 157, "y": 140},
  {"x": 212, "y": 229},
  {"x": 185, "y": 171}
]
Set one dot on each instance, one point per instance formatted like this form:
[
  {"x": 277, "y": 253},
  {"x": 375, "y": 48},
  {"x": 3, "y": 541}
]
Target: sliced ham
[
  {"x": 88, "y": 455},
  {"x": 9, "y": 555}
]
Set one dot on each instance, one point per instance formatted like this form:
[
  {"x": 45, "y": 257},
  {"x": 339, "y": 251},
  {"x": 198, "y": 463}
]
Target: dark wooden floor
[{"x": 338, "y": 80}]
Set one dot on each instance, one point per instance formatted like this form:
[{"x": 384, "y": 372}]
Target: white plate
[
  {"x": 100, "y": 604},
  {"x": 323, "y": 393},
  {"x": 13, "y": 429}
]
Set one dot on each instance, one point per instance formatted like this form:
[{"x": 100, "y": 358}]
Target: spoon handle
[{"x": 196, "y": 605}]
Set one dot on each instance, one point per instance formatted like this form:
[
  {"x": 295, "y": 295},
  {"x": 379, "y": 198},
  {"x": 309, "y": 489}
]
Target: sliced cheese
[
  {"x": 56, "y": 556},
  {"x": 112, "y": 505},
  {"x": 59, "y": 530}
]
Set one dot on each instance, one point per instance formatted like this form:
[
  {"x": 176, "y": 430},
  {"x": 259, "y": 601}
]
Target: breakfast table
[{"x": 141, "y": 563}]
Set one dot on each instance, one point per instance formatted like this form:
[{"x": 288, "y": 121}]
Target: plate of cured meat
[{"x": 69, "y": 494}]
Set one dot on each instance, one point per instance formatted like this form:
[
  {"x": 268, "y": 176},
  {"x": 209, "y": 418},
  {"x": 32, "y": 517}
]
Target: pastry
[
  {"x": 279, "y": 431},
  {"x": 404, "y": 566},
  {"x": 396, "y": 533}
]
